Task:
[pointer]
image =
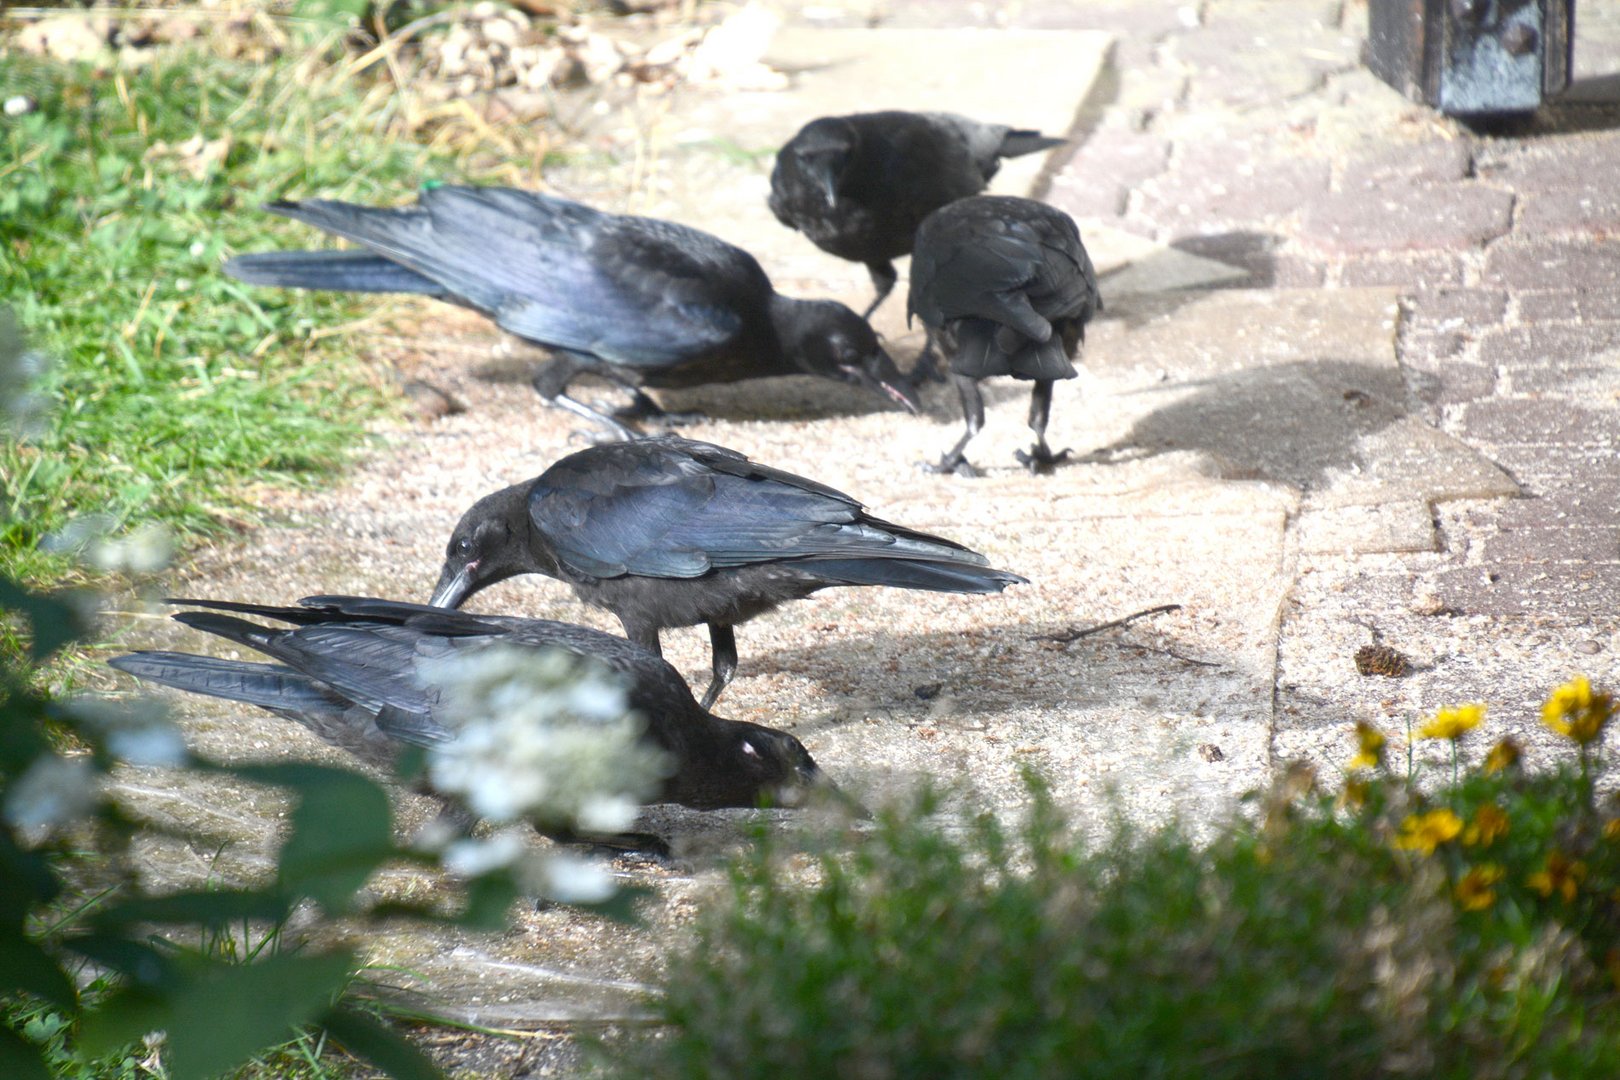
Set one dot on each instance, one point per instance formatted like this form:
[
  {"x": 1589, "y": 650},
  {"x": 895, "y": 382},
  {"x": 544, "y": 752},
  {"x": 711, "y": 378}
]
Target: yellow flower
[
  {"x": 1489, "y": 825},
  {"x": 1474, "y": 892},
  {"x": 1577, "y": 711},
  {"x": 1453, "y": 724},
  {"x": 1611, "y": 829},
  {"x": 1503, "y": 755},
  {"x": 1370, "y": 747},
  {"x": 1355, "y": 792},
  {"x": 1425, "y": 832},
  {"x": 1562, "y": 875}
]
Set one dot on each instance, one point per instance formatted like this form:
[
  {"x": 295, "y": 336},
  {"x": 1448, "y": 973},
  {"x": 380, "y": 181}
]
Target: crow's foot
[
  {"x": 945, "y": 466},
  {"x": 1039, "y": 459}
]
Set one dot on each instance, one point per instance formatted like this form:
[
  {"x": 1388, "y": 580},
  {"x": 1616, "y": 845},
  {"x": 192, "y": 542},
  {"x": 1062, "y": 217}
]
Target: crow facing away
[
  {"x": 858, "y": 186},
  {"x": 1008, "y": 287},
  {"x": 667, "y": 532},
  {"x": 638, "y": 301},
  {"x": 351, "y": 669}
]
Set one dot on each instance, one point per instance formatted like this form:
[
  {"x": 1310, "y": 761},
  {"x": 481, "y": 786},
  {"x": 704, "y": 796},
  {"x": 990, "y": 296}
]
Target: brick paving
[{"x": 1246, "y": 132}]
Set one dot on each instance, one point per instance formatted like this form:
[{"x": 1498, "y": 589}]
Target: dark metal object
[{"x": 1473, "y": 58}]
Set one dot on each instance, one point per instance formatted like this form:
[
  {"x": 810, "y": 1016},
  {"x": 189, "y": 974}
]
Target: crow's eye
[
  {"x": 462, "y": 546},
  {"x": 748, "y": 748}
]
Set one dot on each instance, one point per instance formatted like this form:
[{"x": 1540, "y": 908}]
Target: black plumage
[
  {"x": 1007, "y": 286},
  {"x": 638, "y": 301},
  {"x": 859, "y": 186},
  {"x": 668, "y": 532},
  {"x": 358, "y": 673}
]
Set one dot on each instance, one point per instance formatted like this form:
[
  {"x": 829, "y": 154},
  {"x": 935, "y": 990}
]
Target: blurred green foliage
[
  {"x": 89, "y": 973},
  {"x": 176, "y": 389},
  {"x": 1331, "y": 934}
]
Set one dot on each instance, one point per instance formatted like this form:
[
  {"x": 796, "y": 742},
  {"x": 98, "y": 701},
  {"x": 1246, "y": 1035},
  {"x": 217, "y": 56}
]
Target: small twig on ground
[
  {"x": 1178, "y": 656},
  {"x": 1075, "y": 633}
]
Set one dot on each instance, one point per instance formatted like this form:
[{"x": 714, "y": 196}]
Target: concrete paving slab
[
  {"x": 1128, "y": 264},
  {"x": 1352, "y": 530},
  {"x": 1258, "y": 456},
  {"x": 1409, "y": 459}
]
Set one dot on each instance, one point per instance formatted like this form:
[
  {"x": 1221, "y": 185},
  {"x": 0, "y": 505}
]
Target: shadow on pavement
[{"x": 1289, "y": 423}]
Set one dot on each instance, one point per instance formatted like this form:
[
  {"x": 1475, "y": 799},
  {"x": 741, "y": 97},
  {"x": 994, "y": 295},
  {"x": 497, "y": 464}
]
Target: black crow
[
  {"x": 858, "y": 186},
  {"x": 1008, "y": 287},
  {"x": 669, "y": 532},
  {"x": 638, "y": 301},
  {"x": 358, "y": 673}
]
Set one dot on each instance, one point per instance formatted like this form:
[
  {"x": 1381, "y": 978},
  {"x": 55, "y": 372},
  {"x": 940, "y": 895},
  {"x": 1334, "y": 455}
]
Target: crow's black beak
[
  {"x": 454, "y": 585},
  {"x": 812, "y": 787},
  {"x": 880, "y": 376}
]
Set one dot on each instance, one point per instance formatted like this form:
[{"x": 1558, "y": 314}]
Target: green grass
[
  {"x": 177, "y": 391},
  {"x": 309, "y": 1056}
]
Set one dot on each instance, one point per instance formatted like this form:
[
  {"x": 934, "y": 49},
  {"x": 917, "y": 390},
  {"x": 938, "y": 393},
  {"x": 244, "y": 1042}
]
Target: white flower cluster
[
  {"x": 562, "y": 876},
  {"x": 23, "y": 405},
  {"x": 146, "y": 549},
  {"x": 54, "y": 791},
  {"x": 541, "y": 734},
  {"x": 137, "y": 731}
]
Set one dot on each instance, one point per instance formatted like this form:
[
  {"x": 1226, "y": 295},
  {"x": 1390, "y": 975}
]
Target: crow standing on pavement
[
  {"x": 667, "y": 532},
  {"x": 1008, "y": 287},
  {"x": 358, "y": 673},
  {"x": 638, "y": 301},
  {"x": 858, "y": 186}
]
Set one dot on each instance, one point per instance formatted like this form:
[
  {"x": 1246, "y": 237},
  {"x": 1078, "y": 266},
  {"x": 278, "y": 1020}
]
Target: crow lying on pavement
[
  {"x": 1008, "y": 287},
  {"x": 668, "y": 532},
  {"x": 638, "y": 301},
  {"x": 358, "y": 673}
]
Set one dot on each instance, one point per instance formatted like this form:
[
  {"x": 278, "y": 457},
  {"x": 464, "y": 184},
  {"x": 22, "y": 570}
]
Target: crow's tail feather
[
  {"x": 230, "y": 628},
  {"x": 978, "y": 354},
  {"x": 302, "y": 615},
  {"x": 916, "y": 574},
  {"x": 338, "y": 271},
  {"x": 270, "y": 686},
  {"x": 1047, "y": 359},
  {"x": 981, "y": 352}
]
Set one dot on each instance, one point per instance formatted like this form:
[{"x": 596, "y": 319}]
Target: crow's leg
[
  {"x": 643, "y": 634},
  {"x": 973, "y": 414},
  {"x": 642, "y": 407},
  {"x": 551, "y": 383},
  {"x": 723, "y": 641},
  {"x": 1040, "y": 457},
  {"x": 883, "y": 279}
]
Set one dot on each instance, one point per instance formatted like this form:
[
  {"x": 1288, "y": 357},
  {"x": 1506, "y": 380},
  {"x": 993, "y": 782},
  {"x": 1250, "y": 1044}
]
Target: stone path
[{"x": 1357, "y": 380}]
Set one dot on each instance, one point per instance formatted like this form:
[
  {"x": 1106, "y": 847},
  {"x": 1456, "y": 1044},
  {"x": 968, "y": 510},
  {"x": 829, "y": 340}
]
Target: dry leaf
[
  {"x": 65, "y": 38},
  {"x": 197, "y": 155}
]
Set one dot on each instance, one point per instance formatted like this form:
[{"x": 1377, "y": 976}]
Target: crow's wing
[
  {"x": 1017, "y": 271},
  {"x": 673, "y": 508},
  {"x": 630, "y": 290},
  {"x": 371, "y": 653}
]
